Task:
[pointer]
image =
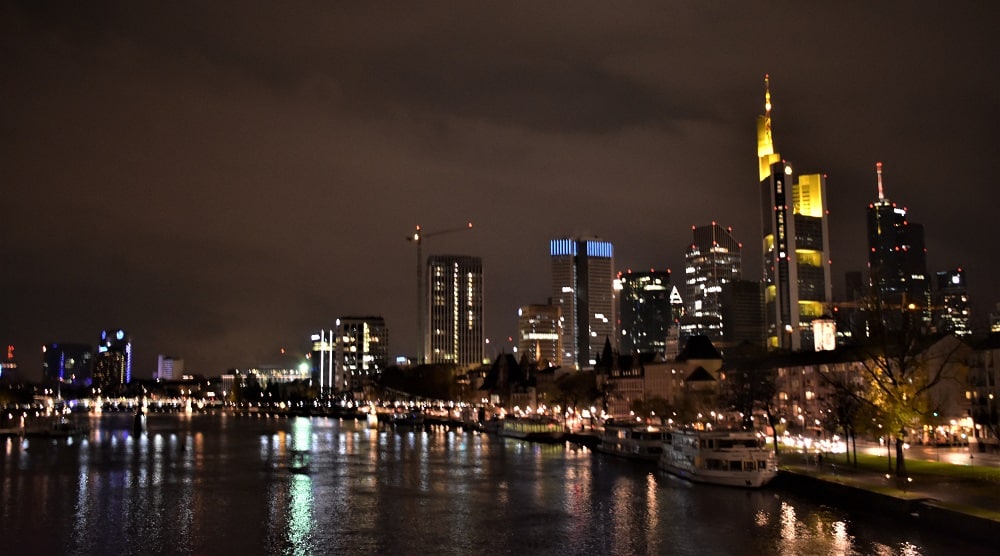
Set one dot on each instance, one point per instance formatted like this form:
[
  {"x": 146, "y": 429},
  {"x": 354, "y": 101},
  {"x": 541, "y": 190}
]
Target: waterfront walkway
[{"x": 973, "y": 490}]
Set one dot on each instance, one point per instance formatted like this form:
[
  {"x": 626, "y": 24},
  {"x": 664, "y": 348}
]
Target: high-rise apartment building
[
  {"x": 644, "y": 303},
  {"x": 796, "y": 240},
  {"x": 897, "y": 262},
  {"x": 113, "y": 364},
  {"x": 539, "y": 334},
  {"x": 583, "y": 287},
  {"x": 360, "y": 351},
  {"x": 713, "y": 259},
  {"x": 455, "y": 310},
  {"x": 951, "y": 303}
]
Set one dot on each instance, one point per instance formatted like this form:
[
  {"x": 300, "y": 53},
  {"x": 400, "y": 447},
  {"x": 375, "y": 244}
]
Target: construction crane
[{"x": 418, "y": 238}]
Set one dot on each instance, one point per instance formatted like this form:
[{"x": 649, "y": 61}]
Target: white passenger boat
[
  {"x": 632, "y": 441},
  {"x": 731, "y": 458}
]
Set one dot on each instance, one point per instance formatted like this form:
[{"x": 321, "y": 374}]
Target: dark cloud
[{"x": 224, "y": 178}]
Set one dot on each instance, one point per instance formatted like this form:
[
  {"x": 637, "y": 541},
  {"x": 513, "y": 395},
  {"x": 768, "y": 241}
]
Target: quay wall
[{"x": 920, "y": 512}]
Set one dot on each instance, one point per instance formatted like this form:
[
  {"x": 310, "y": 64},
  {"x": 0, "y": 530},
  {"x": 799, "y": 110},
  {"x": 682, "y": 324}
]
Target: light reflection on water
[{"x": 222, "y": 484}]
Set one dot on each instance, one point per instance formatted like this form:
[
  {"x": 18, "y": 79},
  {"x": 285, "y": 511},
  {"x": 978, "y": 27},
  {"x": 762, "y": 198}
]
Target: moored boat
[
  {"x": 532, "y": 429},
  {"x": 59, "y": 428},
  {"x": 632, "y": 441},
  {"x": 410, "y": 419},
  {"x": 721, "y": 457}
]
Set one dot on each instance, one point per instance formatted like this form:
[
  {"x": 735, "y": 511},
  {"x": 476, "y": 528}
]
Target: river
[{"x": 224, "y": 484}]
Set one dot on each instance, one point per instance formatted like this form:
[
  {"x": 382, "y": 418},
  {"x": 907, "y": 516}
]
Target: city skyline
[{"x": 223, "y": 186}]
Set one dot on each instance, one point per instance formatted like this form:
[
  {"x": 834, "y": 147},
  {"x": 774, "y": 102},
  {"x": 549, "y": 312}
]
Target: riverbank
[{"x": 958, "y": 505}]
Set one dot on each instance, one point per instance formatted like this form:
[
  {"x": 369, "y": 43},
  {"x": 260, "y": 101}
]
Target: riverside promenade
[{"x": 952, "y": 490}]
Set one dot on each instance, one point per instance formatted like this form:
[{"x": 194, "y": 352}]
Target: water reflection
[{"x": 204, "y": 484}]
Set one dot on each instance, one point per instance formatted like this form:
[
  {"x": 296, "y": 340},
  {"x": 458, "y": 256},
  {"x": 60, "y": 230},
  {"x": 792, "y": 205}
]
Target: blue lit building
[
  {"x": 113, "y": 363},
  {"x": 68, "y": 363},
  {"x": 583, "y": 287}
]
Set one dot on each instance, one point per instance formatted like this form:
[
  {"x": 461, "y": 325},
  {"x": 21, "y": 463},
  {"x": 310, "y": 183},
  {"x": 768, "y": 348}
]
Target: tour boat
[
  {"x": 533, "y": 429},
  {"x": 632, "y": 441},
  {"x": 721, "y": 457}
]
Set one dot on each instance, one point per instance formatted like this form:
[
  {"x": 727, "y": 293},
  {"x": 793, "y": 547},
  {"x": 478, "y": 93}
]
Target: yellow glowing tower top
[
  {"x": 765, "y": 141},
  {"x": 796, "y": 278}
]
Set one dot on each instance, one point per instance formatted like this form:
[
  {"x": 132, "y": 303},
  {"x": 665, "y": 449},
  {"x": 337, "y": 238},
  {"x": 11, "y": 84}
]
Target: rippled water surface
[{"x": 220, "y": 484}]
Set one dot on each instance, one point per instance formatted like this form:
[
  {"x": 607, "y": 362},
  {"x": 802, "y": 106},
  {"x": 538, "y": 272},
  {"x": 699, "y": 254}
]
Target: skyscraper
[
  {"x": 796, "y": 280},
  {"x": 539, "y": 334},
  {"x": 583, "y": 282},
  {"x": 113, "y": 364},
  {"x": 644, "y": 302},
  {"x": 713, "y": 259},
  {"x": 951, "y": 303},
  {"x": 455, "y": 310},
  {"x": 897, "y": 261}
]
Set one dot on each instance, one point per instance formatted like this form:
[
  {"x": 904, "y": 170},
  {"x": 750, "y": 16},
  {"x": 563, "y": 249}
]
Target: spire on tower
[
  {"x": 878, "y": 170},
  {"x": 767, "y": 95},
  {"x": 765, "y": 142}
]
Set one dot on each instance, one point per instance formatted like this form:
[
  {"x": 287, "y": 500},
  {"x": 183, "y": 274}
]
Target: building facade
[
  {"x": 897, "y": 261},
  {"x": 796, "y": 279},
  {"x": 455, "y": 310},
  {"x": 322, "y": 357},
  {"x": 169, "y": 368},
  {"x": 539, "y": 334},
  {"x": 113, "y": 363},
  {"x": 951, "y": 303},
  {"x": 361, "y": 351},
  {"x": 68, "y": 363},
  {"x": 713, "y": 259},
  {"x": 741, "y": 311},
  {"x": 583, "y": 287},
  {"x": 645, "y": 309}
]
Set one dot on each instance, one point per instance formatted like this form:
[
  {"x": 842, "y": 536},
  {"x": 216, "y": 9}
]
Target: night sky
[{"x": 223, "y": 178}]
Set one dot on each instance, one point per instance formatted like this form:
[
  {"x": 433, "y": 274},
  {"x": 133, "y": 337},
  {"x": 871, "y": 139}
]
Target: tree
[
  {"x": 845, "y": 409},
  {"x": 750, "y": 388},
  {"x": 654, "y": 407},
  {"x": 576, "y": 389}
]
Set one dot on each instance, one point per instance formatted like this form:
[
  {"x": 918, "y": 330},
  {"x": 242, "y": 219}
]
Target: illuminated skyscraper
[
  {"x": 796, "y": 280},
  {"x": 455, "y": 310},
  {"x": 713, "y": 259},
  {"x": 897, "y": 261},
  {"x": 951, "y": 303},
  {"x": 645, "y": 311},
  {"x": 539, "y": 334},
  {"x": 113, "y": 364},
  {"x": 583, "y": 287}
]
